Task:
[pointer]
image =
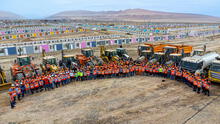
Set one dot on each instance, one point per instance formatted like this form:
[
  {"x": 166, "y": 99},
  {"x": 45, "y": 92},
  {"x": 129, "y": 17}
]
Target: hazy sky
[{"x": 44, "y": 8}]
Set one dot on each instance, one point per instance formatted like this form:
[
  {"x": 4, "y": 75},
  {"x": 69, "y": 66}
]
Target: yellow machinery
[
  {"x": 3, "y": 83},
  {"x": 108, "y": 55},
  {"x": 214, "y": 71},
  {"x": 49, "y": 63}
]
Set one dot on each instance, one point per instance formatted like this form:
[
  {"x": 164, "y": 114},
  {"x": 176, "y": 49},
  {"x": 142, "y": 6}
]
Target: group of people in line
[{"x": 48, "y": 81}]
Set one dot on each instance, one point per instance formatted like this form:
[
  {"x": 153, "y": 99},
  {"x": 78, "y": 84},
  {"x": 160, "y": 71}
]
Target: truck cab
[
  {"x": 214, "y": 71},
  {"x": 198, "y": 64}
]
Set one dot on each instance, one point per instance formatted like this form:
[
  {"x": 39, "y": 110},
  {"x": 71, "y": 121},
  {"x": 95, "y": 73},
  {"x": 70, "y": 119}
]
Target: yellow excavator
[{"x": 3, "y": 83}]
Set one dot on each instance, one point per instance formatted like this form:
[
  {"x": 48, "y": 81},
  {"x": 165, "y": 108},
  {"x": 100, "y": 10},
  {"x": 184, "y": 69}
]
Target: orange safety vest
[
  {"x": 199, "y": 84},
  {"x": 14, "y": 93},
  {"x": 27, "y": 87},
  {"x": 36, "y": 85},
  {"x": 94, "y": 72},
  {"x": 32, "y": 86},
  {"x": 172, "y": 72},
  {"x": 195, "y": 83}
]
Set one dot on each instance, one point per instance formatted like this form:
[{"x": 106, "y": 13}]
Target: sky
[{"x": 37, "y": 9}]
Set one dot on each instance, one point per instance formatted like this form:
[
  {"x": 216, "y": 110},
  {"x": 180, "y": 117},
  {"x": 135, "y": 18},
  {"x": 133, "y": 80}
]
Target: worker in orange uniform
[
  {"x": 18, "y": 92},
  {"x": 12, "y": 101},
  {"x": 194, "y": 83},
  {"x": 36, "y": 85},
  {"x": 206, "y": 87},
  {"x": 32, "y": 87},
  {"x": 199, "y": 85}
]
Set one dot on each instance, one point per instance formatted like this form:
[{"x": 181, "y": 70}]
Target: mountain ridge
[{"x": 134, "y": 15}]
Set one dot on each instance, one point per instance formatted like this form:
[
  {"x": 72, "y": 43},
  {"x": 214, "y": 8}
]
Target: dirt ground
[{"x": 132, "y": 100}]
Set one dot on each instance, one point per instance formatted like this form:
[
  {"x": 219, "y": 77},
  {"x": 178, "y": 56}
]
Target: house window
[{"x": 77, "y": 44}]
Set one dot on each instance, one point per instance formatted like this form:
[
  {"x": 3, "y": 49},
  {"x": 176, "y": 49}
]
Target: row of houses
[
  {"x": 40, "y": 34},
  {"x": 56, "y": 45},
  {"x": 91, "y": 41}
]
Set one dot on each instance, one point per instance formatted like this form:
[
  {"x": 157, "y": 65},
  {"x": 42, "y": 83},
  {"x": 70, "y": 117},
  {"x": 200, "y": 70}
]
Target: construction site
[{"x": 132, "y": 66}]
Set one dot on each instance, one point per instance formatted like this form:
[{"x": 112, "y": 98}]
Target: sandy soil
[
  {"x": 130, "y": 100},
  {"x": 133, "y": 100}
]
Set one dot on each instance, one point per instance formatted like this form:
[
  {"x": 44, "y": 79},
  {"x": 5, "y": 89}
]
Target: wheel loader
[
  {"x": 23, "y": 67},
  {"x": 3, "y": 82}
]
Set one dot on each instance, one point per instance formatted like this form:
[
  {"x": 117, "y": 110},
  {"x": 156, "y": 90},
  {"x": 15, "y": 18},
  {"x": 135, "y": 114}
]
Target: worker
[
  {"x": 194, "y": 83},
  {"x": 173, "y": 74},
  {"x": 22, "y": 87},
  {"x": 11, "y": 91},
  {"x": 36, "y": 85},
  {"x": 18, "y": 92},
  {"x": 46, "y": 83},
  {"x": 12, "y": 101},
  {"x": 27, "y": 87},
  {"x": 32, "y": 86},
  {"x": 206, "y": 86},
  {"x": 41, "y": 84},
  {"x": 199, "y": 85}
]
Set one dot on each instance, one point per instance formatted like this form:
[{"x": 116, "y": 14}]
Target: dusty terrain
[{"x": 133, "y": 100}]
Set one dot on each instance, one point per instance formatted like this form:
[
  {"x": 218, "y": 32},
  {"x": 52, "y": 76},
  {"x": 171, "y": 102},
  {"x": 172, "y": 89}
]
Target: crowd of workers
[{"x": 49, "y": 81}]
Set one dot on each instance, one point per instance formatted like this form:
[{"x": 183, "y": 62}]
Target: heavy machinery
[
  {"x": 108, "y": 55},
  {"x": 214, "y": 71},
  {"x": 23, "y": 67},
  {"x": 174, "y": 53},
  {"x": 49, "y": 63},
  {"x": 85, "y": 59},
  {"x": 94, "y": 60},
  {"x": 198, "y": 52},
  {"x": 122, "y": 53},
  {"x": 147, "y": 50},
  {"x": 68, "y": 61},
  {"x": 3, "y": 82},
  {"x": 158, "y": 57},
  {"x": 198, "y": 64}
]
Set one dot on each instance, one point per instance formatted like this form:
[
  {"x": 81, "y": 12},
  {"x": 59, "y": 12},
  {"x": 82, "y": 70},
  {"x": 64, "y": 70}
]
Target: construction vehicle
[
  {"x": 68, "y": 61},
  {"x": 122, "y": 53},
  {"x": 174, "y": 53},
  {"x": 147, "y": 50},
  {"x": 3, "y": 82},
  {"x": 198, "y": 52},
  {"x": 49, "y": 63},
  {"x": 158, "y": 57},
  {"x": 23, "y": 67},
  {"x": 214, "y": 71},
  {"x": 93, "y": 59},
  {"x": 198, "y": 64},
  {"x": 108, "y": 55},
  {"x": 85, "y": 59}
]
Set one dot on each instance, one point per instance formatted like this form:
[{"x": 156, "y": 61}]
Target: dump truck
[
  {"x": 3, "y": 82},
  {"x": 147, "y": 50},
  {"x": 23, "y": 67},
  {"x": 214, "y": 71},
  {"x": 198, "y": 64},
  {"x": 108, "y": 55},
  {"x": 174, "y": 53}
]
